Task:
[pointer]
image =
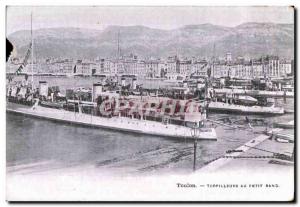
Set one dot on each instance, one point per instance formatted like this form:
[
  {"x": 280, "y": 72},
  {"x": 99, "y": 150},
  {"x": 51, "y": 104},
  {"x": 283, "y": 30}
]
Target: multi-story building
[
  {"x": 151, "y": 68},
  {"x": 65, "y": 66},
  {"x": 200, "y": 68},
  {"x": 185, "y": 67},
  {"x": 131, "y": 67},
  {"x": 273, "y": 67},
  {"x": 248, "y": 70},
  {"x": 234, "y": 70},
  {"x": 269, "y": 67},
  {"x": 116, "y": 67},
  {"x": 82, "y": 68},
  {"x": 162, "y": 65},
  {"x": 257, "y": 69},
  {"x": 95, "y": 68},
  {"x": 172, "y": 65},
  {"x": 285, "y": 68},
  {"x": 220, "y": 69}
]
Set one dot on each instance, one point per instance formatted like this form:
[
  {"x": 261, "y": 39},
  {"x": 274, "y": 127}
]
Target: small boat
[
  {"x": 282, "y": 159},
  {"x": 281, "y": 162},
  {"x": 282, "y": 140}
]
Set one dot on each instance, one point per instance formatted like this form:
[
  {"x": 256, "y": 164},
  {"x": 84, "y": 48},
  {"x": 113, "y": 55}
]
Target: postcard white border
[{"x": 3, "y": 4}]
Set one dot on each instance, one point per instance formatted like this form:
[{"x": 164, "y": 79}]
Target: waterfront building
[
  {"x": 285, "y": 68},
  {"x": 95, "y": 68},
  {"x": 131, "y": 67},
  {"x": 185, "y": 67},
  {"x": 172, "y": 65},
  {"x": 65, "y": 66},
  {"x": 273, "y": 67},
  {"x": 162, "y": 67},
  {"x": 269, "y": 67},
  {"x": 257, "y": 69},
  {"x": 247, "y": 70},
  {"x": 116, "y": 67},
  {"x": 265, "y": 67},
  {"x": 82, "y": 68},
  {"x": 151, "y": 68},
  {"x": 220, "y": 69},
  {"x": 200, "y": 68}
]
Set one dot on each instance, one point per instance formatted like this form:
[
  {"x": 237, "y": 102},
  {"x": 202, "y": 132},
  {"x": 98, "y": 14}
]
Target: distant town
[{"x": 172, "y": 67}]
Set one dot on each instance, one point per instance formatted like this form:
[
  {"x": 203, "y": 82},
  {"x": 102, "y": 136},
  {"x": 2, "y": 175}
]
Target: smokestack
[
  {"x": 185, "y": 84},
  {"x": 134, "y": 83},
  {"x": 122, "y": 81},
  {"x": 199, "y": 85},
  {"x": 43, "y": 88},
  {"x": 97, "y": 90}
]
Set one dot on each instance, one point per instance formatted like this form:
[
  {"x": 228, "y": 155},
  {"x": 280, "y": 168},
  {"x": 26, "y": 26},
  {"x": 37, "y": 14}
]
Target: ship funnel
[
  {"x": 134, "y": 83},
  {"x": 122, "y": 81},
  {"x": 43, "y": 88},
  {"x": 97, "y": 90},
  {"x": 185, "y": 84},
  {"x": 199, "y": 85}
]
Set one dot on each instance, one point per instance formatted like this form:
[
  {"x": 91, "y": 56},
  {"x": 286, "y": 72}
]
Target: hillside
[{"x": 249, "y": 39}]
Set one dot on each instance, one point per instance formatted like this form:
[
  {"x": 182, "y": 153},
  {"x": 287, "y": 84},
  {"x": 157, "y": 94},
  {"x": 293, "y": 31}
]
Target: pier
[{"x": 222, "y": 161}]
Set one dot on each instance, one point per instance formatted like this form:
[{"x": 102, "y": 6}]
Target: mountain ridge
[{"x": 247, "y": 39}]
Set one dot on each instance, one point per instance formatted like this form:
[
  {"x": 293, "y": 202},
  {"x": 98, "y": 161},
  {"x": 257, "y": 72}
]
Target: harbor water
[{"x": 37, "y": 145}]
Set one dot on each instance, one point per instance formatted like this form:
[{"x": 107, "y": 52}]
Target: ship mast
[
  {"x": 31, "y": 52},
  {"x": 118, "y": 44}
]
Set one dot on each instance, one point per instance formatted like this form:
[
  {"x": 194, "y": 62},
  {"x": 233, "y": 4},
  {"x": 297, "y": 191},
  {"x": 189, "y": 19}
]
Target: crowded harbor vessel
[
  {"x": 115, "y": 109},
  {"x": 120, "y": 103}
]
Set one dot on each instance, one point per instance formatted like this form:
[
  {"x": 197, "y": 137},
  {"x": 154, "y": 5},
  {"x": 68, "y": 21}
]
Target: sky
[{"x": 18, "y": 17}]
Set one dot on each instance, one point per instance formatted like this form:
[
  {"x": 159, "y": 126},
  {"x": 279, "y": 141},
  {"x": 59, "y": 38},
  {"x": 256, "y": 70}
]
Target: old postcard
[{"x": 131, "y": 103}]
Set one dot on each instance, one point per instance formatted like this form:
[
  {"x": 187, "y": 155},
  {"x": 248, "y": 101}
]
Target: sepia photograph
[{"x": 150, "y": 103}]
